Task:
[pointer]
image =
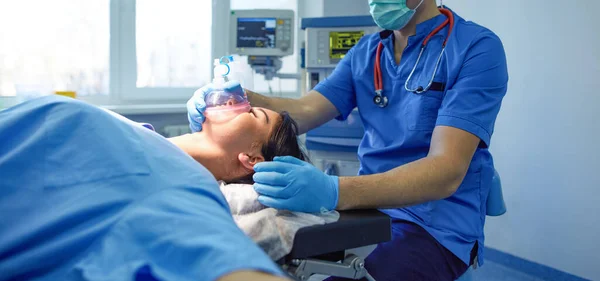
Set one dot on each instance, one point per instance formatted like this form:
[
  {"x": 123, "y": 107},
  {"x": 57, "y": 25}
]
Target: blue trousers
[{"x": 412, "y": 254}]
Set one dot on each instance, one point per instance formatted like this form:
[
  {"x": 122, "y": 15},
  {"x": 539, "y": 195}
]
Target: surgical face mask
[
  {"x": 222, "y": 106},
  {"x": 390, "y": 14}
]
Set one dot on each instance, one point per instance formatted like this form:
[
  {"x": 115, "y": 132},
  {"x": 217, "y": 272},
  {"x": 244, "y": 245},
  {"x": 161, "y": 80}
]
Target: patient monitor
[
  {"x": 265, "y": 36},
  {"x": 262, "y": 32}
]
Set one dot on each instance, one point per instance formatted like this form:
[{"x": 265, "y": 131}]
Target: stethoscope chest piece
[{"x": 380, "y": 100}]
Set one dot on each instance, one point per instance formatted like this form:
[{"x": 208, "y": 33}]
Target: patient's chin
[{"x": 241, "y": 179}]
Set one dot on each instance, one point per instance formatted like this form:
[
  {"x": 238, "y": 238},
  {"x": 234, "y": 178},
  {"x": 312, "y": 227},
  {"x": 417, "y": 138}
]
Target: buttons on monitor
[{"x": 284, "y": 33}]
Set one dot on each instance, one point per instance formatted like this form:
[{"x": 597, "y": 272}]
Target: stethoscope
[{"x": 381, "y": 100}]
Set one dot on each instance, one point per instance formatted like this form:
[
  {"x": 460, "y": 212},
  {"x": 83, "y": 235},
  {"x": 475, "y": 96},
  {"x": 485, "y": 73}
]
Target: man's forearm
[
  {"x": 427, "y": 179},
  {"x": 309, "y": 111},
  {"x": 273, "y": 103},
  {"x": 291, "y": 106}
]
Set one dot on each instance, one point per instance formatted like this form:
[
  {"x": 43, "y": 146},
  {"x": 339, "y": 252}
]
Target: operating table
[{"x": 321, "y": 249}]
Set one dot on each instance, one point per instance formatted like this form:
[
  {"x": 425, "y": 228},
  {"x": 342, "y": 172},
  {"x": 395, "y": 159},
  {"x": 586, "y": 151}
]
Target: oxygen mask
[
  {"x": 222, "y": 105},
  {"x": 227, "y": 99}
]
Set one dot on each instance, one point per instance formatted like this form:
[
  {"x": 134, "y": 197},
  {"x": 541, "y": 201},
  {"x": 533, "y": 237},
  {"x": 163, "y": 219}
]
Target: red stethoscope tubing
[{"x": 377, "y": 72}]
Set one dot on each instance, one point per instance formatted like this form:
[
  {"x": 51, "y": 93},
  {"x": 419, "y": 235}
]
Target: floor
[{"x": 490, "y": 271}]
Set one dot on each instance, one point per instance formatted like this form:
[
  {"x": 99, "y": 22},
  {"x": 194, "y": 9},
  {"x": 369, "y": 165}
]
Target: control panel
[{"x": 325, "y": 47}]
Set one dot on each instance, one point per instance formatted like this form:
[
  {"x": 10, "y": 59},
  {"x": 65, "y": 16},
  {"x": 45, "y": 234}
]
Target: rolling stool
[{"x": 494, "y": 207}]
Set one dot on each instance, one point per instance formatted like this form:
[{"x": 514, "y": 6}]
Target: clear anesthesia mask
[
  {"x": 228, "y": 99},
  {"x": 222, "y": 106}
]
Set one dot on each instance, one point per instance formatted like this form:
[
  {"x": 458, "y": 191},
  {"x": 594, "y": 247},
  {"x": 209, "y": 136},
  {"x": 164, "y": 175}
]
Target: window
[
  {"x": 173, "y": 43},
  {"x": 156, "y": 50},
  {"x": 54, "y": 45},
  {"x": 166, "y": 47},
  {"x": 121, "y": 52},
  {"x": 290, "y": 64}
]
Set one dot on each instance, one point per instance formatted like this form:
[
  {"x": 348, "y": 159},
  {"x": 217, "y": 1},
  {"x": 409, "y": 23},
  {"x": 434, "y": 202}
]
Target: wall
[
  {"x": 547, "y": 135},
  {"x": 333, "y": 8},
  {"x": 161, "y": 122},
  {"x": 310, "y": 8},
  {"x": 337, "y": 8}
]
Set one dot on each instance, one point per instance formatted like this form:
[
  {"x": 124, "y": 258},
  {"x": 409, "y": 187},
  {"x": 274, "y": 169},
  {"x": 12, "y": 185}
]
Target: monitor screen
[
  {"x": 340, "y": 42},
  {"x": 256, "y": 32}
]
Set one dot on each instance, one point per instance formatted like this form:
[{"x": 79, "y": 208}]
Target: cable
[{"x": 280, "y": 90}]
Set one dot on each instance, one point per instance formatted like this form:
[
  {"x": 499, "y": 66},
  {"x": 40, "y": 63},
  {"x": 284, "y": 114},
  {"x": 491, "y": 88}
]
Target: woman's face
[
  {"x": 230, "y": 149},
  {"x": 245, "y": 132}
]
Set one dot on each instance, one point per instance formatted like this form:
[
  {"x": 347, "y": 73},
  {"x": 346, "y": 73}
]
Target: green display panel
[{"x": 341, "y": 42}]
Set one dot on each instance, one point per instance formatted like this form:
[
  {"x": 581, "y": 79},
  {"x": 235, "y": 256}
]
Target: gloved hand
[
  {"x": 291, "y": 184},
  {"x": 196, "y": 105}
]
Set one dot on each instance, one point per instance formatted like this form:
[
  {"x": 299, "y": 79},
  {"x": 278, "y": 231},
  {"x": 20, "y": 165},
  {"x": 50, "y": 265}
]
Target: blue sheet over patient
[{"x": 87, "y": 196}]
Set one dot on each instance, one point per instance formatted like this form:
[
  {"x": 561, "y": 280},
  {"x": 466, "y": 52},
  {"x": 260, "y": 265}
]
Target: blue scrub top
[
  {"x": 474, "y": 72},
  {"x": 89, "y": 195}
]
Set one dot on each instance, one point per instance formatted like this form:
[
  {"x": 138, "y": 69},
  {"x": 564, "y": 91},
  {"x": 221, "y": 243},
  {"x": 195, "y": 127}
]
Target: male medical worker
[{"x": 424, "y": 155}]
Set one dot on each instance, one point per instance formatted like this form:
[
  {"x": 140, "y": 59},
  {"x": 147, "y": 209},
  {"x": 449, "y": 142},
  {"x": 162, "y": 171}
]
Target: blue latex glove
[
  {"x": 196, "y": 105},
  {"x": 291, "y": 184}
]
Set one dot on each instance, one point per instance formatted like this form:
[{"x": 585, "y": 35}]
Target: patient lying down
[
  {"x": 230, "y": 150},
  {"x": 95, "y": 196}
]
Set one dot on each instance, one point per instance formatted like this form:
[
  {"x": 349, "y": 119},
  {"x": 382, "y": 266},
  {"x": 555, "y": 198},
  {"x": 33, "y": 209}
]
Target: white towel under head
[{"x": 273, "y": 230}]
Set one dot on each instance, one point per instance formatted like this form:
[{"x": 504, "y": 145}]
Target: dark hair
[{"x": 283, "y": 141}]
